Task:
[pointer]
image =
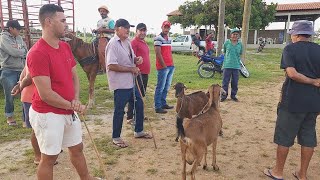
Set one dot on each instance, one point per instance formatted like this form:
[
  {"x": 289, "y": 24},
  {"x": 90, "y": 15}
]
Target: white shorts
[{"x": 54, "y": 131}]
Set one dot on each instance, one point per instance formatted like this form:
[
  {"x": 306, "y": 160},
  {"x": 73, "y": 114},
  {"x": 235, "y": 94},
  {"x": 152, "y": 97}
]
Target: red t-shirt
[
  {"x": 141, "y": 48},
  {"x": 165, "y": 44},
  {"x": 44, "y": 60},
  {"x": 209, "y": 44}
]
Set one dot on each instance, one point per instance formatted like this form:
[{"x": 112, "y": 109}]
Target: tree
[{"x": 205, "y": 12}]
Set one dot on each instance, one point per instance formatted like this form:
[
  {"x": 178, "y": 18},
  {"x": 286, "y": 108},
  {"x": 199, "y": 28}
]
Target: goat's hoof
[
  {"x": 215, "y": 168},
  {"x": 204, "y": 167},
  {"x": 221, "y": 133},
  {"x": 177, "y": 139}
]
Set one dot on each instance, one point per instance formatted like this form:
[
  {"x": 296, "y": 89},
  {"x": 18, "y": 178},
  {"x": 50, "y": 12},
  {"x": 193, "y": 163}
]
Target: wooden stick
[
  {"x": 95, "y": 147},
  {"x": 151, "y": 129}
]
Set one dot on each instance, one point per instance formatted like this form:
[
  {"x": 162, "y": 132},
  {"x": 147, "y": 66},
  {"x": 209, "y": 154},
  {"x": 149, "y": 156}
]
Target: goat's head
[
  {"x": 179, "y": 87},
  {"x": 215, "y": 91}
]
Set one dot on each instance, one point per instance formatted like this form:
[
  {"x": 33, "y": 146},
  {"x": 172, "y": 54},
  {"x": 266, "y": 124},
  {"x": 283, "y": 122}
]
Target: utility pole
[
  {"x": 245, "y": 27},
  {"x": 222, "y": 6}
]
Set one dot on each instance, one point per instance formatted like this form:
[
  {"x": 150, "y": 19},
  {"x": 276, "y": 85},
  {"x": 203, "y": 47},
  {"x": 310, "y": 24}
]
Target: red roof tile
[{"x": 298, "y": 6}]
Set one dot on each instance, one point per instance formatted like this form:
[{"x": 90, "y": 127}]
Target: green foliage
[{"x": 206, "y": 12}]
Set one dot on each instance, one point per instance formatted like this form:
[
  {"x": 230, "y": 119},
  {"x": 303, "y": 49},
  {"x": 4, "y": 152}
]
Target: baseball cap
[
  {"x": 141, "y": 26},
  {"x": 166, "y": 23},
  {"x": 123, "y": 23},
  {"x": 14, "y": 24},
  {"x": 302, "y": 27},
  {"x": 234, "y": 30}
]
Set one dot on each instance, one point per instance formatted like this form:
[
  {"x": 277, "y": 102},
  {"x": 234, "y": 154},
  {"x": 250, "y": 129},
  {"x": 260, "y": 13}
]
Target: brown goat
[
  {"x": 188, "y": 105},
  {"x": 200, "y": 132}
]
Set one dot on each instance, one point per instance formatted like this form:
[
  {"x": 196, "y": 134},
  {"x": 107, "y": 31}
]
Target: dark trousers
[
  {"x": 121, "y": 98},
  {"x": 143, "y": 87},
  {"x": 232, "y": 74}
]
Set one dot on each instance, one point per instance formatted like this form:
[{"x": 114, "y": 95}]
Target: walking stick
[
  {"x": 151, "y": 129},
  {"x": 95, "y": 147}
]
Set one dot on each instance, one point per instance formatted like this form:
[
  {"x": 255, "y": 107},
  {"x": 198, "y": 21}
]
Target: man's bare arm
[
  {"x": 43, "y": 84},
  {"x": 119, "y": 68},
  {"x": 159, "y": 56},
  {"x": 296, "y": 76},
  {"x": 76, "y": 82}
]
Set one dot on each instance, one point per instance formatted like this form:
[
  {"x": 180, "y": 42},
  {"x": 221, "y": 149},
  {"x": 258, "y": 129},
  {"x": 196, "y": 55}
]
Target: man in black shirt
[{"x": 300, "y": 100}]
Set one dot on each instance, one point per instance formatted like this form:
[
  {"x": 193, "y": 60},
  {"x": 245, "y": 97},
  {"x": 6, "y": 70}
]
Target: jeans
[
  {"x": 8, "y": 80},
  {"x": 234, "y": 75},
  {"x": 143, "y": 87},
  {"x": 164, "y": 79},
  {"x": 26, "y": 107},
  {"x": 121, "y": 98}
]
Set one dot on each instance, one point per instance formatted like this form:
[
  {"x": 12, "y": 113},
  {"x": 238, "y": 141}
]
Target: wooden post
[
  {"x": 245, "y": 27},
  {"x": 220, "y": 39}
]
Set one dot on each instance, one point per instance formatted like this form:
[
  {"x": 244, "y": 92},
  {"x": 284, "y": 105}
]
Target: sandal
[
  {"x": 120, "y": 143},
  {"x": 12, "y": 123},
  {"x": 142, "y": 135}
]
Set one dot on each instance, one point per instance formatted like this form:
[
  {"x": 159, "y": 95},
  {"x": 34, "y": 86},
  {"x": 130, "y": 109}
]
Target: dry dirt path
[{"x": 244, "y": 151}]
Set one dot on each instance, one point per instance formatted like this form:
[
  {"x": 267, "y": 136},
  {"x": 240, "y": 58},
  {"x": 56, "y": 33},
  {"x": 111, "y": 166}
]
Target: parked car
[{"x": 183, "y": 43}]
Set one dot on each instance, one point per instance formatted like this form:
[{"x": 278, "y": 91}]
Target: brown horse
[{"x": 87, "y": 56}]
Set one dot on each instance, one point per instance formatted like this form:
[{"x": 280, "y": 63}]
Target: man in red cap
[
  {"x": 104, "y": 31},
  {"x": 165, "y": 68}
]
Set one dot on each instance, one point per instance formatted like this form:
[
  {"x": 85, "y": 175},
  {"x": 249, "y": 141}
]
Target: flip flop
[
  {"x": 12, "y": 123},
  {"x": 295, "y": 175},
  {"x": 143, "y": 135},
  {"x": 38, "y": 162},
  {"x": 120, "y": 143},
  {"x": 267, "y": 172}
]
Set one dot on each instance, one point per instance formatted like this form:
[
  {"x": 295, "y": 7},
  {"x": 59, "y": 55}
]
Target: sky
[{"x": 150, "y": 12}]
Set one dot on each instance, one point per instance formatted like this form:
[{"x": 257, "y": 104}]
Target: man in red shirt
[
  {"x": 165, "y": 68},
  {"x": 209, "y": 45},
  {"x": 53, "y": 70},
  {"x": 140, "y": 48}
]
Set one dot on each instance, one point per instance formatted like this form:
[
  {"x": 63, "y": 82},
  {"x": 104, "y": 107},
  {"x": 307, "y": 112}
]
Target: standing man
[
  {"x": 140, "y": 48},
  {"x": 53, "y": 70},
  {"x": 122, "y": 71},
  {"x": 209, "y": 44},
  {"x": 165, "y": 68},
  {"x": 13, "y": 52},
  {"x": 300, "y": 100},
  {"x": 104, "y": 31},
  {"x": 232, "y": 49}
]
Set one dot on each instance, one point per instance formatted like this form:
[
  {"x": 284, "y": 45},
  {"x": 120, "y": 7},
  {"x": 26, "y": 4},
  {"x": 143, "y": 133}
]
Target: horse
[{"x": 87, "y": 56}]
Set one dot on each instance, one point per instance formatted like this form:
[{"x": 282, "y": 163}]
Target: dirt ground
[{"x": 245, "y": 150}]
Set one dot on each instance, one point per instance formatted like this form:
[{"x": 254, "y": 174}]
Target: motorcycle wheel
[
  {"x": 206, "y": 70},
  {"x": 243, "y": 71}
]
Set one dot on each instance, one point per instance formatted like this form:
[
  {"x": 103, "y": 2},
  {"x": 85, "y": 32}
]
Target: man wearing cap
[
  {"x": 232, "y": 49},
  {"x": 300, "y": 100},
  {"x": 13, "y": 52},
  {"x": 104, "y": 31},
  {"x": 165, "y": 68},
  {"x": 140, "y": 48},
  {"x": 122, "y": 71}
]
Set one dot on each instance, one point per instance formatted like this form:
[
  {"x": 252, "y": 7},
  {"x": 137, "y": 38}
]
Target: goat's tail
[{"x": 180, "y": 128}]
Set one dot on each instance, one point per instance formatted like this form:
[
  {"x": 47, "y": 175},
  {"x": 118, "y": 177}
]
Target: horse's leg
[{"x": 91, "y": 78}]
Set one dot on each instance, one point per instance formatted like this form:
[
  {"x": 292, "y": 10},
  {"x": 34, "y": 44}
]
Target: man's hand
[
  {"x": 77, "y": 106},
  {"x": 15, "y": 90},
  {"x": 316, "y": 82},
  {"x": 135, "y": 70},
  {"x": 138, "y": 60}
]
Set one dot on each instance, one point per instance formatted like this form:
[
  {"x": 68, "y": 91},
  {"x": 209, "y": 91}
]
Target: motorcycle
[
  {"x": 209, "y": 65},
  {"x": 262, "y": 44}
]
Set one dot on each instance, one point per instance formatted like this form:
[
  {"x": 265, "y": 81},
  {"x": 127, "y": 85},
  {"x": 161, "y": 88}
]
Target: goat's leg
[
  {"x": 205, "y": 159},
  {"x": 183, "y": 155},
  {"x": 198, "y": 158},
  {"x": 214, "y": 153},
  {"x": 180, "y": 129}
]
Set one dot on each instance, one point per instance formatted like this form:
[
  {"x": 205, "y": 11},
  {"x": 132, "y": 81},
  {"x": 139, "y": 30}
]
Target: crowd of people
[{"x": 49, "y": 85}]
